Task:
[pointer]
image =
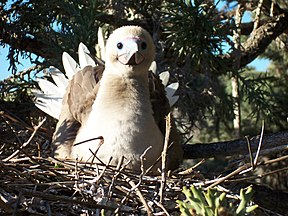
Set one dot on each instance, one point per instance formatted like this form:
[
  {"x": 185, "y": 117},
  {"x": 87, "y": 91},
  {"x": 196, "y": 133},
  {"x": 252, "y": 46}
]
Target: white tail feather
[
  {"x": 49, "y": 88},
  {"x": 164, "y": 76},
  {"x": 58, "y": 77},
  {"x": 153, "y": 67},
  {"x": 173, "y": 100},
  {"x": 170, "y": 91},
  {"x": 51, "y": 108},
  {"x": 84, "y": 56},
  {"x": 101, "y": 44},
  {"x": 70, "y": 65}
]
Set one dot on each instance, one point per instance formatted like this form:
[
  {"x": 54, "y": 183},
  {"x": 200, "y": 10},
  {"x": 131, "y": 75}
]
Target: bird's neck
[{"x": 118, "y": 92}]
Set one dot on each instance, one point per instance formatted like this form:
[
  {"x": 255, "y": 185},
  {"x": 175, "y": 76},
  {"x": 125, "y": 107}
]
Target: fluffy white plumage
[{"x": 105, "y": 116}]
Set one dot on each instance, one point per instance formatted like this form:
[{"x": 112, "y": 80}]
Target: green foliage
[
  {"x": 212, "y": 203},
  {"x": 263, "y": 97},
  {"x": 192, "y": 38},
  {"x": 192, "y": 30},
  {"x": 17, "y": 88},
  {"x": 58, "y": 25}
]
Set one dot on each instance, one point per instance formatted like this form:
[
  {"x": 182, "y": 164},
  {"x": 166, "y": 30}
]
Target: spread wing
[
  {"x": 83, "y": 90},
  {"x": 76, "y": 106}
]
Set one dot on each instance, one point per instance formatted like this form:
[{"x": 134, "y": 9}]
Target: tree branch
[
  {"x": 22, "y": 42},
  {"x": 258, "y": 41},
  {"x": 19, "y": 40},
  {"x": 235, "y": 147}
]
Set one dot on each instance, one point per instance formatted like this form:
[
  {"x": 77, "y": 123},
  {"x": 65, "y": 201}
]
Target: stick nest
[{"x": 32, "y": 182}]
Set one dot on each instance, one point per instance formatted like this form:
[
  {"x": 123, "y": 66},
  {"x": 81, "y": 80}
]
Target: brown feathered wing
[{"x": 77, "y": 103}]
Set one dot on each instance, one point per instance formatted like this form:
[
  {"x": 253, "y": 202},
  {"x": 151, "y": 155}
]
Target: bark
[
  {"x": 257, "y": 42},
  {"x": 236, "y": 147},
  {"x": 234, "y": 79}
]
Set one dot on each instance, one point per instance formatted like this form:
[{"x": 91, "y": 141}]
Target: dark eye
[
  {"x": 143, "y": 45},
  {"x": 119, "y": 45}
]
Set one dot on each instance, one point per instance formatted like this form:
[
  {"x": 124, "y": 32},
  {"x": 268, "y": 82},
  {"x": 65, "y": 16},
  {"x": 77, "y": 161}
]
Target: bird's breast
[{"x": 123, "y": 116}]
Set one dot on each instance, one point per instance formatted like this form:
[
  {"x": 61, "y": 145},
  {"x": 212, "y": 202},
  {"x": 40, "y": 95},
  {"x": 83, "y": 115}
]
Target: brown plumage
[{"x": 124, "y": 103}]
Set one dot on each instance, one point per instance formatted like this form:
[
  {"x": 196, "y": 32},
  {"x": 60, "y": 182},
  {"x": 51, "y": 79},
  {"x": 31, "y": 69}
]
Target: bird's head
[{"x": 130, "y": 50}]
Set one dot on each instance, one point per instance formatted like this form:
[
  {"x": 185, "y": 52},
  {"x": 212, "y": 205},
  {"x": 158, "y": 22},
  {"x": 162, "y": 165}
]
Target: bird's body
[
  {"x": 123, "y": 104},
  {"x": 122, "y": 114}
]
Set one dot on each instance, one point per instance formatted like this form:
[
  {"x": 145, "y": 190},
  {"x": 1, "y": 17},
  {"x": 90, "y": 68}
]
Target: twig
[
  {"x": 139, "y": 194},
  {"x": 95, "y": 156},
  {"x": 254, "y": 163},
  {"x": 88, "y": 140},
  {"x": 276, "y": 160},
  {"x": 162, "y": 207},
  {"x": 250, "y": 152},
  {"x": 119, "y": 169},
  {"x": 142, "y": 157},
  {"x": 243, "y": 169},
  {"x": 53, "y": 197},
  {"x": 157, "y": 161},
  {"x": 259, "y": 175},
  {"x": 272, "y": 9},
  {"x": 259, "y": 145},
  {"x": 235, "y": 172},
  {"x": 191, "y": 169},
  {"x": 135, "y": 187},
  {"x": 164, "y": 157},
  {"x": 257, "y": 15},
  {"x": 265, "y": 152},
  {"x": 3, "y": 205},
  {"x": 27, "y": 142}
]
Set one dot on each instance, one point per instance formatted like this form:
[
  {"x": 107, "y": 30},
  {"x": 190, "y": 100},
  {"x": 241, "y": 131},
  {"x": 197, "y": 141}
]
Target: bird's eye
[
  {"x": 143, "y": 45},
  {"x": 119, "y": 45}
]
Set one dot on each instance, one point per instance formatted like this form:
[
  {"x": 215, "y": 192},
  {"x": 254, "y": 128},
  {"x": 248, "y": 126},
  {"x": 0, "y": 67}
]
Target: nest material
[{"x": 31, "y": 182}]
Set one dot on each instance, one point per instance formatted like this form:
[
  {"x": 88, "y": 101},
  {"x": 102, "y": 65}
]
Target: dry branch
[
  {"x": 257, "y": 42},
  {"x": 236, "y": 147}
]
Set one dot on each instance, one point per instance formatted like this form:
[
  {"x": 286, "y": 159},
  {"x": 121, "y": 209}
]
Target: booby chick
[{"x": 123, "y": 105}]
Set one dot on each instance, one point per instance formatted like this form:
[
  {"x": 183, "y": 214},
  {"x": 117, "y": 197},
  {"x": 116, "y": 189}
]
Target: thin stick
[
  {"x": 139, "y": 194},
  {"x": 158, "y": 159},
  {"x": 135, "y": 187},
  {"x": 119, "y": 169},
  {"x": 235, "y": 172},
  {"x": 250, "y": 152},
  {"x": 53, "y": 197},
  {"x": 88, "y": 140},
  {"x": 259, "y": 145},
  {"x": 191, "y": 169},
  {"x": 257, "y": 15},
  {"x": 162, "y": 207},
  {"x": 164, "y": 157},
  {"x": 14, "y": 154},
  {"x": 259, "y": 176}
]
